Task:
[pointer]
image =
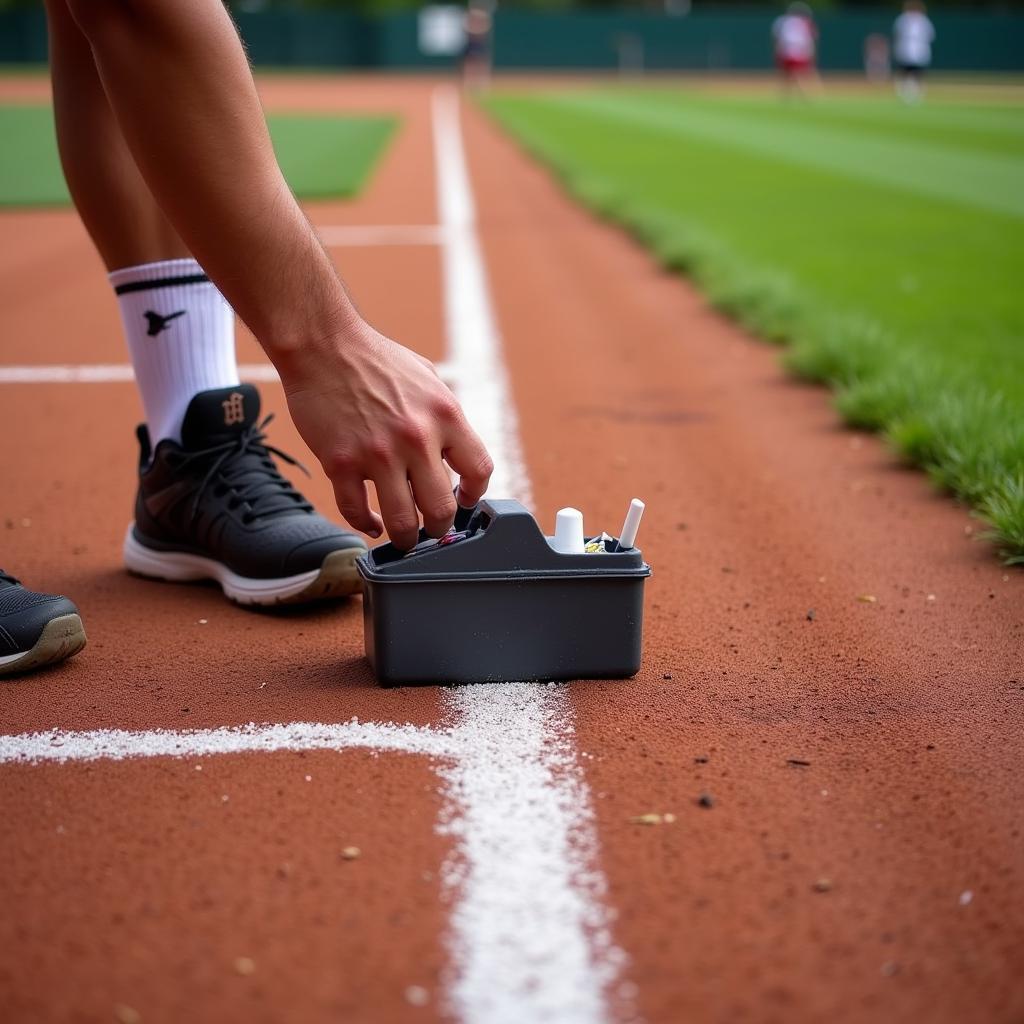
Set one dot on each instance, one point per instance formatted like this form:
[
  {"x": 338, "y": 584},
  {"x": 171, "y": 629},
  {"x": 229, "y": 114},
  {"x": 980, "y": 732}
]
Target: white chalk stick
[{"x": 627, "y": 538}]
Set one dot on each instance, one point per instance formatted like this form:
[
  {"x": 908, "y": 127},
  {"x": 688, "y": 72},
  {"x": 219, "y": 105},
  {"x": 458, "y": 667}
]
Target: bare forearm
[{"x": 184, "y": 97}]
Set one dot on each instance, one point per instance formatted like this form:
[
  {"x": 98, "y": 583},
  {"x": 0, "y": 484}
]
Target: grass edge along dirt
[
  {"x": 965, "y": 436},
  {"x": 323, "y": 156}
]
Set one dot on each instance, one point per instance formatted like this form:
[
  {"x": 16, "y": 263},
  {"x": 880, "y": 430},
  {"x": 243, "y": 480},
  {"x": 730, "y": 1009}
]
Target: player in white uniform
[{"x": 913, "y": 34}]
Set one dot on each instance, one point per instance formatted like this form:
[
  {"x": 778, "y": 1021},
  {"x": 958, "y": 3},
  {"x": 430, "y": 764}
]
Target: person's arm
[{"x": 181, "y": 89}]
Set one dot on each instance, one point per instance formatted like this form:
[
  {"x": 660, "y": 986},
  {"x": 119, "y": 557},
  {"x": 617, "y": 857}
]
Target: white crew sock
[{"x": 181, "y": 336}]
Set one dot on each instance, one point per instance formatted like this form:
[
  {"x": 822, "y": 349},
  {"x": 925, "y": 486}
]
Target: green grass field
[
  {"x": 883, "y": 244},
  {"x": 322, "y": 156}
]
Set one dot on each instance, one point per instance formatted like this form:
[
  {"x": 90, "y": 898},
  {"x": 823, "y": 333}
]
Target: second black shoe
[
  {"x": 35, "y": 629},
  {"x": 216, "y": 507}
]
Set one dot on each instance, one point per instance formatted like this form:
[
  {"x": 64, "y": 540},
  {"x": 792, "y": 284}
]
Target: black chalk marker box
[{"x": 501, "y": 605}]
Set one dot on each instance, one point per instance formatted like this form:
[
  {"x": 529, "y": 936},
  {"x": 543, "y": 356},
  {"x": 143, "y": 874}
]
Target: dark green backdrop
[{"x": 967, "y": 41}]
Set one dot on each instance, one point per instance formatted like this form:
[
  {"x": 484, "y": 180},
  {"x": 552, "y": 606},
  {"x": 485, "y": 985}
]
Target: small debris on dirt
[
  {"x": 666, "y": 675},
  {"x": 930, "y": 597},
  {"x": 810, "y": 614},
  {"x": 889, "y": 968},
  {"x": 284, "y": 870},
  {"x": 417, "y": 995},
  {"x": 245, "y": 965},
  {"x": 797, "y": 762},
  {"x": 668, "y": 819},
  {"x": 931, "y": 746},
  {"x": 867, "y": 598},
  {"x": 965, "y": 897},
  {"x": 203, "y": 622},
  {"x": 351, "y": 853},
  {"x": 728, "y": 568},
  {"x": 706, "y": 800},
  {"x": 700, "y": 760},
  {"x": 822, "y": 885},
  {"x": 647, "y": 819},
  {"x": 199, "y": 767},
  {"x": 309, "y": 778},
  {"x": 224, "y": 799},
  {"x": 125, "y": 1014}
]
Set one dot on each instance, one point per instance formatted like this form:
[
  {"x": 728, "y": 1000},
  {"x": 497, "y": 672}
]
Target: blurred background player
[
  {"x": 877, "y": 61},
  {"x": 795, "y": 36},
  {"x": 476, "y": 57},
  {"x": 913, "y": 34}
]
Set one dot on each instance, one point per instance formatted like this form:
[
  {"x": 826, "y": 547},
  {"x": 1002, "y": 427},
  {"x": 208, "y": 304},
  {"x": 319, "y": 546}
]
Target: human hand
[{"x": 371, "y": 409}]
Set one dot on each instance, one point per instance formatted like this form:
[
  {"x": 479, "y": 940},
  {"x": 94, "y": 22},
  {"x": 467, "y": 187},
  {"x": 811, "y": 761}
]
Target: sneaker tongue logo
[{"x": 234, "y": 409}]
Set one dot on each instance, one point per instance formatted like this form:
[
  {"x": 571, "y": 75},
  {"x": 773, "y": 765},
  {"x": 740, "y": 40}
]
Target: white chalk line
[
  {"x": 119, "y": 744},
  {"x": 122, "y": 373},
  {"x": 530, "y": 930}
]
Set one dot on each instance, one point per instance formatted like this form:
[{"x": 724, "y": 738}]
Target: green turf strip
[
  {"x": 321, "y": 156},
  {"x": 885, "y": 243}
]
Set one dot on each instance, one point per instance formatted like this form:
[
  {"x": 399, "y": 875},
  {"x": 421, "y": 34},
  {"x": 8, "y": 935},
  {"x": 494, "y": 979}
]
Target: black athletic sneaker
[
  {"x": 216, "y": 507},
  {"x": 35, "y": 629}
]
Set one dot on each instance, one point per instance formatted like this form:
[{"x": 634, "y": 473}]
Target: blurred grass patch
[
  {"x": 882, "y": 245},
  {"x": 322, "y": 156}
]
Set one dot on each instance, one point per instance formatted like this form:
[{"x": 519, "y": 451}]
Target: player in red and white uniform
[{"x": 795, "y": 36}]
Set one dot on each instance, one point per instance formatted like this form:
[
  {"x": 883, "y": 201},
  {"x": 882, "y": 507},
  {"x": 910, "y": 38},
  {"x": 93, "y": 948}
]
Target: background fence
[{"x": 736, "y": 40}]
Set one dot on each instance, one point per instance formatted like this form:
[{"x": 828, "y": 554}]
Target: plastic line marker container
[{"x": 501, "y": 605}]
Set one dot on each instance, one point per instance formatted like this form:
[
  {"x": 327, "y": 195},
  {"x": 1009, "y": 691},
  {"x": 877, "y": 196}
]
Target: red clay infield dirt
[{"x": 860, "y": 857}]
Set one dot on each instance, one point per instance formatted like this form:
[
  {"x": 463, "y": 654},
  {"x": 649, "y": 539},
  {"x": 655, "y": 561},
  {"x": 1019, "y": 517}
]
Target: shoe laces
[
  {"x": 6, "y": 577},
  {"x": 243, "y": 465}
]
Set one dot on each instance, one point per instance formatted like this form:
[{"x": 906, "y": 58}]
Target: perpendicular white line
[
  {"x": 105, "y": 373},
  {"x": 531, "y": 939},
  {"x": 119, "y": 744},
  {"x": 336, "y": 236},
  {"x": 121, "y": 373}
]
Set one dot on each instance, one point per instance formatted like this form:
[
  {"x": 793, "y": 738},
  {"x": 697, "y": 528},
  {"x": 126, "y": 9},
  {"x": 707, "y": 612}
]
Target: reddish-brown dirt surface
[{"x": 861, "y": 859}]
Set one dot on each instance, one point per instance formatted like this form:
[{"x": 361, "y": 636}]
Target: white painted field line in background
[
  {"x": 121, "y": 373},
  {"x": 474, "y": 344},
  {"x": 336, "y": 236},
  {"x": 531, "y": 940},
  {"x": 105, "y": 373}
]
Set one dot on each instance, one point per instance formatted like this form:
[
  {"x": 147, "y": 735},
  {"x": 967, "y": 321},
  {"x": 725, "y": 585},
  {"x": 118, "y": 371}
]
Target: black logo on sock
[{"x": 158, "y": 322}]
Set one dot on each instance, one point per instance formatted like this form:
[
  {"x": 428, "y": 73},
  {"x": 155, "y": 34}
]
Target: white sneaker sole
[
  {"x": 336, "y": 577},
  {"x": 61, "y": 638}
]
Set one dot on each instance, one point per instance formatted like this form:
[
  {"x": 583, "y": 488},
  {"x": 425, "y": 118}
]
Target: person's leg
[
  {"x": 213, "y": 469},
  {"x": 115, "y": 204},
  {"x": 180, "y": 331}
]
